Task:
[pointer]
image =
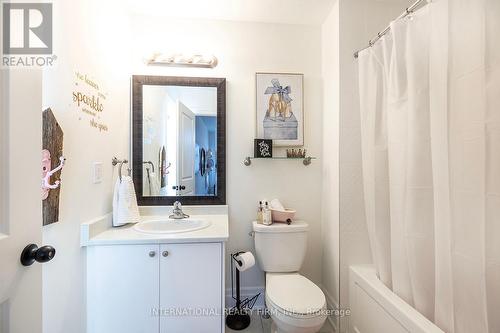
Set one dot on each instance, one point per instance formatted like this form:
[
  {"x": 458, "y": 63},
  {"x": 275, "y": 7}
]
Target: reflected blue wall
[{"x": 206, "y": 138}]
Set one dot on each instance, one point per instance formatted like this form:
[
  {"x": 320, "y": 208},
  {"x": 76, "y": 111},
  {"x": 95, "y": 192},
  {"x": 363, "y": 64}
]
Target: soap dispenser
[
  {"x": 266, "y": 215},
  {"x": 260, "y": 213}
]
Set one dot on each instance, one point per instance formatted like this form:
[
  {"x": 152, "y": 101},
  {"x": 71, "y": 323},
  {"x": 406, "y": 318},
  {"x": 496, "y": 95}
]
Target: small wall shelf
[{"x": 305, "y": 160}]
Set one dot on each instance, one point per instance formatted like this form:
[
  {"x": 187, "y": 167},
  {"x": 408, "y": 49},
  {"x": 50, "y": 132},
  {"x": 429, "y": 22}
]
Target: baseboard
[
  {"x": 331, "y": 304},
  {"x": 247, "y": 292}
]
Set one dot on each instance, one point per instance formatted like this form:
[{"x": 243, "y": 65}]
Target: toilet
[{"x": 295, "y": 303}]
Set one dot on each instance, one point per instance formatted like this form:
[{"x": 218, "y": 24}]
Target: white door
[
  {"x": 20, "y": 210},
  {"x": 123, "y": 289},
  {"x": 191, "y": 284},
  {"x": 185, "y": 151}
]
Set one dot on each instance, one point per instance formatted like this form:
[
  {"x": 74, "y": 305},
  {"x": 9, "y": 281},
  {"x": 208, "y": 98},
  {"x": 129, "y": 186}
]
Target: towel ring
[
  {"x": 150, "y": 163},
  {"x": 116, "y": 161}
]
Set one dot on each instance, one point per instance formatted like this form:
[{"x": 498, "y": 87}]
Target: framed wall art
[{"x": 280, "y": 108}]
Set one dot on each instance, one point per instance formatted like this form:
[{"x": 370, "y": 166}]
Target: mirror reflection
[{"x": 179, "y": 141}]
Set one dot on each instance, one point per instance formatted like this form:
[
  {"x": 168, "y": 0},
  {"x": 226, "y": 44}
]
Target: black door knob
[{"x": 32, "y": 253}]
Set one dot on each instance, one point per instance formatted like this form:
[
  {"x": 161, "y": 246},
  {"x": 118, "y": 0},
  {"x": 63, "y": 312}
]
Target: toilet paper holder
[{"x": 238, "y": 317}]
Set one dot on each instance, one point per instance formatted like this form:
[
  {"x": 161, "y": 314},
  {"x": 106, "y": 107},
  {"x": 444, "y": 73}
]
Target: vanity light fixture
[{"x": 183, "y": 60}]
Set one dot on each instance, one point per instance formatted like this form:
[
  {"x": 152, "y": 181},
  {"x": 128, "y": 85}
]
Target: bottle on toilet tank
[
  {"x": 266, "y": 215},
  {"x": 260, "y": 213}
]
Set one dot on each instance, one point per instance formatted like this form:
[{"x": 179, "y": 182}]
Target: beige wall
[
  {"x": 89, "y": 37},
  {"x": 243, "y": 49},
  {"x": 96, "y": 40},
  {"x": 107, "y": 44},
  {"x": 330, "y": 194}
]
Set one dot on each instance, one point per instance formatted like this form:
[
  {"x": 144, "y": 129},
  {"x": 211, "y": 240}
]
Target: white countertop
[{"x": 100, "y": 231}]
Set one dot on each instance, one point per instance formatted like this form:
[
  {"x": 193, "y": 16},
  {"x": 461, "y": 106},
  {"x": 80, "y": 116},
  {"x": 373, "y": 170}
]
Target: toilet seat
[{"x": 294, "y": 295}]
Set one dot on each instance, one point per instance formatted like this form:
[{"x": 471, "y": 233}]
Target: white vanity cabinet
[{"x": 152, "y": 288}]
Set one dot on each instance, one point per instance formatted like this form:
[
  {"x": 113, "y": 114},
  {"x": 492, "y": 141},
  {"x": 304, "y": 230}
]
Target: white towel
[
  {"x": 155, "y": 185},
  {"x": 125, "y": 209},
  {"x": 276, "y": 204}
]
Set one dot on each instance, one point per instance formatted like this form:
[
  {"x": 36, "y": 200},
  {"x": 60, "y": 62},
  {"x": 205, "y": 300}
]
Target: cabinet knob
[
  {"x": 152, "y": 254},
  {"x": 165, "y": 253}
]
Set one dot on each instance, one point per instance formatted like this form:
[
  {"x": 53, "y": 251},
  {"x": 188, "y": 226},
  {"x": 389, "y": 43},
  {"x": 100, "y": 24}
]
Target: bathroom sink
[{"x": 171, "y": 226}]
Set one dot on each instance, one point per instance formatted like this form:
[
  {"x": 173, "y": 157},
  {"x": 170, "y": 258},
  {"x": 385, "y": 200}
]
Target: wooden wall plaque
[{"x": 53, "y": 142}]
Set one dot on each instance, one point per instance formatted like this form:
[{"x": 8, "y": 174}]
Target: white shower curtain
[{"x": 430, "y": 124}]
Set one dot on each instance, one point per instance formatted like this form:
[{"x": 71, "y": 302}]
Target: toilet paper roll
[{"x": 247, "y": 260}]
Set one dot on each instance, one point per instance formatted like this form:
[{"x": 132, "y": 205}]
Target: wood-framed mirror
[{"x": 173, "y": 120}]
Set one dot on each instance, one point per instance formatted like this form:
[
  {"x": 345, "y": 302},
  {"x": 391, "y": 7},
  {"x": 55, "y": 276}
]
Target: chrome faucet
[{"x": 177, "y": 212}]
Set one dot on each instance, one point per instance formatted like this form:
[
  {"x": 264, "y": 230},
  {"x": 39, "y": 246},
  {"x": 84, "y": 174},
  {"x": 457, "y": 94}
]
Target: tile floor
[{"x": 261, "y": 325}]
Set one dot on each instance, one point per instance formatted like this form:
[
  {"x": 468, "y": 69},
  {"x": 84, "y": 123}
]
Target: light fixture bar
[{"x": 183, "y": 60}]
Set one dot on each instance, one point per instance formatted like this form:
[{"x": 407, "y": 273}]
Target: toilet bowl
[{"x": 295, "y": 303}]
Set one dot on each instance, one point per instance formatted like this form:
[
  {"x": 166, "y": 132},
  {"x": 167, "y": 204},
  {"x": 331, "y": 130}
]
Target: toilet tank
[{"x": 280, "y": 247}]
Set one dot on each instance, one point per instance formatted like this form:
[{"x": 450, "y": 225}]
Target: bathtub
[{"x": 376, "y": 309}]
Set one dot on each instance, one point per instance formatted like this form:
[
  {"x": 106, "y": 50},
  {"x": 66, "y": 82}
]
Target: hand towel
[
  {"x": 125, "y": 209},
  {"x": 155, "y": 185}
]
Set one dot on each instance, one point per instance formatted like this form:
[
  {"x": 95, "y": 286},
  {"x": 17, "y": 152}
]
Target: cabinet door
[
  {"x": 191, "y": 288},
  {"x": 122, "y": 289}
]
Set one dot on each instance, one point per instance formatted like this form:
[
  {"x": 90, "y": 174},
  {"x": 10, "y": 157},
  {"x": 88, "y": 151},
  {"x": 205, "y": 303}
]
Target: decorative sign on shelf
[
  {"x": 52, "y": 164},
  {"x": 263, "y": 148},
  {"x": 89, "y": 98}
]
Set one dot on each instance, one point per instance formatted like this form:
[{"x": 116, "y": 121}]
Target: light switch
[{"x": 97, "y": 172}]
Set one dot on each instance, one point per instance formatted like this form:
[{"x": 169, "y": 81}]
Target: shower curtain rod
[{"x": 407, "y": 12}]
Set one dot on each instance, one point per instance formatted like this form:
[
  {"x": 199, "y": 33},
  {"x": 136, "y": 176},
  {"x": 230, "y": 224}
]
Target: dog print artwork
[{"x": 280, "y": 114}]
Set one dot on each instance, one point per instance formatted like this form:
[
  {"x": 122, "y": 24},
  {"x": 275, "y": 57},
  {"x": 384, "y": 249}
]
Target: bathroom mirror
[{"x": 179, "y": 140}]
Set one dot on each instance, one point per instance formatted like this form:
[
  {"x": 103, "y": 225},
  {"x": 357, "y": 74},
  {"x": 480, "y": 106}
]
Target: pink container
[{"x": 285, "y": 216}]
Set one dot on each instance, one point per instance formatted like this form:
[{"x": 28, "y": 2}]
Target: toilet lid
[{"x": 294, "y": 293}]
